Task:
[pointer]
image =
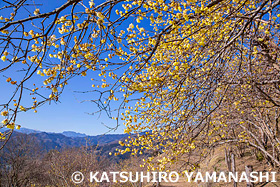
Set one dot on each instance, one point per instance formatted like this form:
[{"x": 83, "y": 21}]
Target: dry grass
[{"x": 216, "y": 162}]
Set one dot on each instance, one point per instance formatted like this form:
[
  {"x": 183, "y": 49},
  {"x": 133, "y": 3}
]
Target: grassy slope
[{"x": 216, "y": 162}]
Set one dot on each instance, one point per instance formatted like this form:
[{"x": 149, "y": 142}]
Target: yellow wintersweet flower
[
  {"x": 84, "y": 73},
  {"x": 54, "y": 89},
  {"x": 36, "y": 12},
  {"x": 4, "y": 113},
  {"x": 192, "y": 146},
  {"x": 3, "y": 58},
  {"x": 22, "y": 108},
  {"x": 11, "y": 126},
  {"x": 5, "y": 121},
  {"x": 91, "y": 4}
]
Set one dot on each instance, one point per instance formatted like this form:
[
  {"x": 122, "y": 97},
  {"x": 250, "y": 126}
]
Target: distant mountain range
[
  {"x": 73, "y": 134},
  {"x": 22, "y": 130},
  {"x": 67, "y": 139},
  {"x": 29, "y": 131}
]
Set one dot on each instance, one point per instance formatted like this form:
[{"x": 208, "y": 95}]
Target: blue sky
[{"x": 68, "y": 115}]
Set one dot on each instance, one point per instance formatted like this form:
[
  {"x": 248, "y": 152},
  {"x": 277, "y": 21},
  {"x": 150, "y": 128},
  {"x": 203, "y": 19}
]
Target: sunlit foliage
[{"x": 187, "y": 75}]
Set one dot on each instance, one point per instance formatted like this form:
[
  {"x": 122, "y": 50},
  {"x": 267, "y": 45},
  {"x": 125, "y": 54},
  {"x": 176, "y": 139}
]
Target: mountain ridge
[{"x": 67, "y": 139}]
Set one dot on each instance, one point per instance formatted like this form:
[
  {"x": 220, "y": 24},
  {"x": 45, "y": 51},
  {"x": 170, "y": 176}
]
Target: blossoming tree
[{"x": 188, "y": 76}]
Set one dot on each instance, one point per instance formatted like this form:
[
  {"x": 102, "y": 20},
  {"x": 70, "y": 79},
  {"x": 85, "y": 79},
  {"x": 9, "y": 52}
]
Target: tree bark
[
  {"x": 248, "y": 170},
  {"x": 233, "y": 167}
]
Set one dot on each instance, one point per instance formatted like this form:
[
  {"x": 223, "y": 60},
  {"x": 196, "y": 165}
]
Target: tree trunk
[
  {"x": 248, "y": 170},
  {"x": 233, "y": 167},
  {"x": 227, "y": 159}
]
